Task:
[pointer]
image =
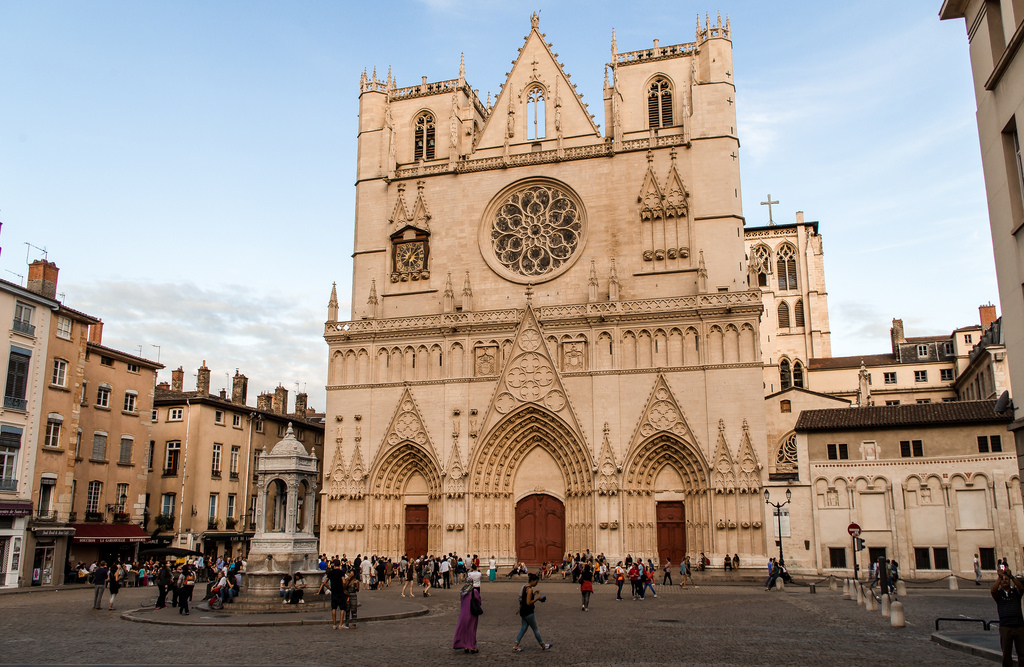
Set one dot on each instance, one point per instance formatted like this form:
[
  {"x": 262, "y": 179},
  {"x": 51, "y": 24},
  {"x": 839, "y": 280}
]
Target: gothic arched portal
[
  {"x": 498, "y": 461},
  {"x": 404, "y": 476}
]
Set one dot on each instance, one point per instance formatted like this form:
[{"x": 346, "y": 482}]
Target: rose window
[{"x": 535, "y": 231}]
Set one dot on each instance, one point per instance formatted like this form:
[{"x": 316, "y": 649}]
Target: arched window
[
  {"x": 785, "y": 374},
  {"x": 763, "y": 257},
  {"x": 786, "y": 265},
  {"x": 659, "y": 103},
  {"x": 783, "y": 315},
  {"x": 535, "y": 113},
  {"x": 786, "y": 457},
  {"x": 424, "y": 136},
  {"x": 798, "y": 313},
  {"x": 798, "y": 374}
]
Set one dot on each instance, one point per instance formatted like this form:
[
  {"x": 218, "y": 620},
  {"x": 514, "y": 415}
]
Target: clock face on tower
[{"x": 410, "y": 256}]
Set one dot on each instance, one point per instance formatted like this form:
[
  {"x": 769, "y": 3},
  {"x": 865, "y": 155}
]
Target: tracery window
[
  {"x": 659, "y": 103},
  {"x": 798, "y": 313},
  {"x": 423, "y": 148},
  {"x": 786, "y": 266},
  {"x": 536, "y": 230},
  {"x": 798, "y": 374},
  {"x": 535, "y": 128},
  {"x": 783, "y": 315},
  {"x": 785, "y": 374},
  {"x": 786, "y": 457},
  {"x": 763, "y": 257}
]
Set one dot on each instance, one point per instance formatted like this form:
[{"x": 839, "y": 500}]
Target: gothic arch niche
[
  {"x": 523, "y": 439},
  {"x": 276, "y": 506},
  {"x": 665, "y": 458},
  {"x": 659, "y": 102},
  {"x": 406, "y": 474}
]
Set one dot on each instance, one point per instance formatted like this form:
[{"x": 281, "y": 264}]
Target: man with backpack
[{"x": 186, "y": 584}]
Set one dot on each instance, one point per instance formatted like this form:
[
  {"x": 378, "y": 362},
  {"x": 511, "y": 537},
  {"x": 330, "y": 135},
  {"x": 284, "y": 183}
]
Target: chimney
[
  {"x": 799, "y": 217},
  {"x": 224, "y": 394},
  {"x": 264, "y": 402},
  {"x": 203, "y": 379},
  {"x": 178, "y": 379},
  {"x": 42, "y": 278},
  {"x": 96, "y": 333},
  {"x": 988, "y": 315},
  {"x": 164, "y": 385},
  {"x": 280, "y": 401},
  {"x": 300, "y": 405},
  {"x": 239, "y": 388},
  {"x": 897, "y": 337}
]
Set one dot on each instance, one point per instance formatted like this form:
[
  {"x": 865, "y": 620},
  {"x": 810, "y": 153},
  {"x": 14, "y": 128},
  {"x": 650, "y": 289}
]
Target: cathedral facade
[{"x": 554, "y": 342}]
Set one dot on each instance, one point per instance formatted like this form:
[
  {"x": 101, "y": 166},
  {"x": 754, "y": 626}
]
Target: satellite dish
[{"x": 1003, "y": 403}]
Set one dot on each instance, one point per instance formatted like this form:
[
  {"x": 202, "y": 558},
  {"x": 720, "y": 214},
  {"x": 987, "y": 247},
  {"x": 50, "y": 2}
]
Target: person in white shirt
[
  {"x": 366, "y": 569},
  {"x": 492, "y": 569},
  {"x": 445, "y": 572}
]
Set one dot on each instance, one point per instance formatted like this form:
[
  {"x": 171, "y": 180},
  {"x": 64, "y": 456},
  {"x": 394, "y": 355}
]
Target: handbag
[{"x": 475, "y": 607}]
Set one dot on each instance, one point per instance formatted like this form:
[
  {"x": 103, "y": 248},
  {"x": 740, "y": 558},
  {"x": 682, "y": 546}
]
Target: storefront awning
[
  {"x": 16, "y": 508},
  {"x": 227, "y": 536},
  {"x": 104, "y": 532},
  {"x": 53, "y": 531}
]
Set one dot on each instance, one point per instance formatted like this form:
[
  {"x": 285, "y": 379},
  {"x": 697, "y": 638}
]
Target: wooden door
[
  {"x": 416, "y": 519},
  {"x": 540, "y": 529},
  {"x": 671, "y": 531}
]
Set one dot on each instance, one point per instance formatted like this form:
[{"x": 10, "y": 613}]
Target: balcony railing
[
  {"x": 46, "y": 515},
  {"x": 21, "y": 326},
  {"x": 215, "y": 472},
  {"x": 15, "y": 403},
  {"x": 170, "y": 472},
  {"x": 122, "y": 517},
  {"x": 229, "y": 523},
  {"x": 234, "y": 475},
  {"x": 211, "y": 524},
  {"x": 8, "y": 484},
  {"x": 94, "y": 516}
]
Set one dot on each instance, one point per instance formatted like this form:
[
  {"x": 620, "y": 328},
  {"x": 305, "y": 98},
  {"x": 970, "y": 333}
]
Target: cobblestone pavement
[{"x": 731, "y": 624}]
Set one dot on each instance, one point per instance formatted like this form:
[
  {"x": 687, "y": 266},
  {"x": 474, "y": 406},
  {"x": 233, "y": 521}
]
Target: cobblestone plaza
[{"x": 715, "y": 624}]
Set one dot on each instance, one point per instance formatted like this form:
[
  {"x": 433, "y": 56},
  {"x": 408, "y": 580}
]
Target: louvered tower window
[
  {"x": 798, "y": 313},
  {"x": 424, "y": 136},
  {"x": 764, "y": 260},
  {"x": 659, "y": 103},
  {"x": 786, "y": 266},
  {"x": 785, "y": 374},
  {"x": 783, "y": 315}
]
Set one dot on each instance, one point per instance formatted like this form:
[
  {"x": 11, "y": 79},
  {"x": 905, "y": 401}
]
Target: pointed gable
[
  {"x": 662, "y": 414},
  {"x": 336, "y": 477},
  {"x": 357, "y": 475},
  {"x": 675, "y": 194},
  {"x": 536, "y": 66},
  {"x": 651, "y": 197},
  {"x": 400, "y": 214},
  {"x": 749, "y": 466},
  {"x": 455, "y": 473},
  {"x": 608, "y": 469},
  {"x": 406, "y": 426},
  {"x": 420, "y": 214},
  {"x": 530, "y": 376},
  {"x": 723, "y": 470}
]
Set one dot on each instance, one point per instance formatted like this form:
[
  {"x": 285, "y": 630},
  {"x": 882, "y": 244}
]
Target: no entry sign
[{"x": 853, "y": 529}]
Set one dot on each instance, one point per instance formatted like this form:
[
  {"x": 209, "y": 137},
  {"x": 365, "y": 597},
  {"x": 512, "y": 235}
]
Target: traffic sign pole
[{"x": 854, "y": 531}]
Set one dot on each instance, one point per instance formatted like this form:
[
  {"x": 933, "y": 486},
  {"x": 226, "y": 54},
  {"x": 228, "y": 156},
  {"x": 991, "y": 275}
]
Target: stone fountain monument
[{"x": 284, "y": 543}]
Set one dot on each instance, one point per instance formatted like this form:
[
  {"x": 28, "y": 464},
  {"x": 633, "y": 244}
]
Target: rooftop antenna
[
  {"x": 20, "y": 276},
  {"x": 28, "y": 251},
  {"x": 157, "y": 352}
]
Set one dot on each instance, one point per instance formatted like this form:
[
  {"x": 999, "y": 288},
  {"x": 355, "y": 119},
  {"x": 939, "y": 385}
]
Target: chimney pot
[{"x": 42, "y": 278}]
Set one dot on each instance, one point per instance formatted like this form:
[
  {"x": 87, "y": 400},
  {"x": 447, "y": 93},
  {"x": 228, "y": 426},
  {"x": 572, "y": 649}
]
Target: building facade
[
  {"x": 994, "y": 30},
  {"x": 28, "y": 311},
  {"x": 559, "y": 348},
  {"x": 202, "y": 491}
]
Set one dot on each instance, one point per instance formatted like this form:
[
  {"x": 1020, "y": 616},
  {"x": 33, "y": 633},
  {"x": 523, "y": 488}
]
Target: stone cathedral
[{"x": 554, "y": 343}]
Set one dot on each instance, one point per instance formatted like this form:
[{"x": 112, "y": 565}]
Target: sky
[{"x": 190, "y": 165}]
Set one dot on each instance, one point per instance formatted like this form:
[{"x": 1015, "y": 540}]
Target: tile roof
[
  {"x": 897, "y": 416},
  {"x": 852, "y": 362},
  {"x": 124, "y": 355}
]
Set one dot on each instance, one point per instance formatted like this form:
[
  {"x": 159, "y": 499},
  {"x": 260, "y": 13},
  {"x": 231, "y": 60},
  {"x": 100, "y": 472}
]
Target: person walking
[
  {"x": 163, "y": 583},
  {"x": 620, "y": 578},
  {"x": 666, "y": 580},
  {"x": 469, "y": 612},
  {"x": 528, "y": 599},
  {"x": 586, "y": 586},
  {"x": 977, "y": 571},
  {"x": 686, "y": 573},
  {"x": 352, "y": 603},
  {"x": 114, "y": 582},
  {"x": 339, "y": 596},
  {"x": 409, "y": 577},
  {"x": 99, "y": 581},
  {"x": 1007, "y": 592},
  {"x": 648, "y": 581},
  {"x": 186, "y": 584}
]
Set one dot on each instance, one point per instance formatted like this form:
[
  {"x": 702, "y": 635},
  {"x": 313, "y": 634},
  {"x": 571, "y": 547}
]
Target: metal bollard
[
  {"x": 953, "y": 585},
  {"x": 869, "y": 600},
  {"x": 813, "y": 588},
  {"x": 886, "y": 608},
  {"x": 896, "y": 617}
]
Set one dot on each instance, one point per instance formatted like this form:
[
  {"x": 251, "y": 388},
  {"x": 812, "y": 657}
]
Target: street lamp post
[{"x": 778, "y": 511}]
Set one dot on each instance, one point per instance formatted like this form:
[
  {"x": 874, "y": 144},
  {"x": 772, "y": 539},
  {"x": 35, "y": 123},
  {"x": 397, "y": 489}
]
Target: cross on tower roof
[{"x": 769, "y": 205}]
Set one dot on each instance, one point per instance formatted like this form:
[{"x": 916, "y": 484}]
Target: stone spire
[
  {"x": 467, "y": 294},
  {"x": 373, "y": 302},
  {"x": 449, "y": 294},
  {"x": 613, "y": 283},
  {"x": 332, "y": 305},
  {"x": 592, "y": 283},
  {"x": 702, "y": 276}
]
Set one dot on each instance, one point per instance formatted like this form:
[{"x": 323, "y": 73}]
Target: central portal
[
  {"x": 416, "y": 521},
  {"x": 540, "y": 529}
]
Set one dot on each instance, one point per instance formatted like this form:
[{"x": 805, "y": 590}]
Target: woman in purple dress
[{"x": 469, "y": 614}]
